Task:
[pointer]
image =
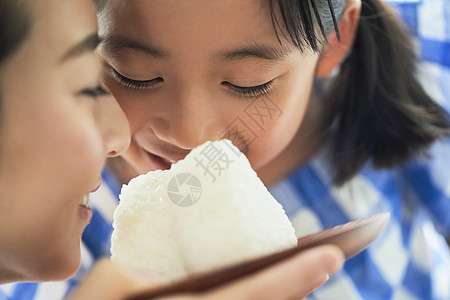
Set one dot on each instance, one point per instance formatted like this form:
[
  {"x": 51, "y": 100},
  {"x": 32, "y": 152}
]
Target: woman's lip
[{"x": 85, "y": 213}]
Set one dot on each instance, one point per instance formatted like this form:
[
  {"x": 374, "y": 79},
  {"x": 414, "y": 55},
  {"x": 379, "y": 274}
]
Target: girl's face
[
  {"x": 188, "y": 71},
  {"x": 55, "y": 136}
]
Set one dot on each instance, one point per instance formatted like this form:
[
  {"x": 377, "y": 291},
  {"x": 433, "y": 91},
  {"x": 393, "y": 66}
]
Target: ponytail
[
  {"x": 375, "y": 110},
  {"x": 378, "y": 110}
]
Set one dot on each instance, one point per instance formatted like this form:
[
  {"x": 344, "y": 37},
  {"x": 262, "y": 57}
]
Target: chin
[{"x": 59, "y": 267}]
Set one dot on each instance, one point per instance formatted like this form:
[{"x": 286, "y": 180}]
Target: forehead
[
  {"x": 190, "y": 25},
  {"x": 58, "y": 24}
]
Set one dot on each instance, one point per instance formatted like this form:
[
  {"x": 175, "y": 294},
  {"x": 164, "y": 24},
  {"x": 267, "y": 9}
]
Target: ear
[{"x": 335, "y": 51}]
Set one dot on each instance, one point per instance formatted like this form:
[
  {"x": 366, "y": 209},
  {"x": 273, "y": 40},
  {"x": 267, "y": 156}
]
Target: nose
[
  {"x": 187, "y": 121},
  {"x": 114, "y": 125}
]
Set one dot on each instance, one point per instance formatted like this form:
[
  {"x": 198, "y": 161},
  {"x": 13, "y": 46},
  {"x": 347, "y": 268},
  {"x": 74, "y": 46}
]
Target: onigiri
[{"x": 208, "y": 211}]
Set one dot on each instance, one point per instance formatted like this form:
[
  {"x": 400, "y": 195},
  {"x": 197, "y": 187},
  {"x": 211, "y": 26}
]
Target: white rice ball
[{"x": 208, "y": 211}]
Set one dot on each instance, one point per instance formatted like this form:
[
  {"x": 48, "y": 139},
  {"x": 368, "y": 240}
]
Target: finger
[
  {"x": 296, "y": 277},
  {"x": 112, "y": 281}
]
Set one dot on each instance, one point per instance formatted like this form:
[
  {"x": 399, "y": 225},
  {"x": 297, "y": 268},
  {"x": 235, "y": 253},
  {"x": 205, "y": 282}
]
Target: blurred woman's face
[
  {"x": 188, "y": 71},
  {"x": 55, "y": 136}
]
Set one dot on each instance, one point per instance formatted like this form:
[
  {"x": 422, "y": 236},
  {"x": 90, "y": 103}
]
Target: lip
[
  {"x": 172, "y": 158},
  {"x": 164, "y": 162},
  {"x": 85, "y": 213},
  {"x": 159, "y": 162}
]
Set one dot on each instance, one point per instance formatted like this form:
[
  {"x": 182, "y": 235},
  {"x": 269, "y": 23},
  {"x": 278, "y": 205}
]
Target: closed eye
[
  {"x": 135, "y": 84},
  {"x": 250, "y": 91},
  {"x": 94, "y": 92}
]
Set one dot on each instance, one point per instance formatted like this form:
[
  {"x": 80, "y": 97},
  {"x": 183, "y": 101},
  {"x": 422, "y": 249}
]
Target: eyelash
[
  {"x": 250, "y": 91},
  {"x": 241, "y": 91},
  {"x": 95, "y": 92},
  {"x": 137, "y": 85}
]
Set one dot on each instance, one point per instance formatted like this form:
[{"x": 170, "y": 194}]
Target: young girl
[
  {"x": 57, "y": 126},
  {"x": 319, "y": 95}
]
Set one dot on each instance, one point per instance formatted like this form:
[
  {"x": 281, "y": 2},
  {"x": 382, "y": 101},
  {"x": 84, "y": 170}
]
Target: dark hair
[
  {"x": 15, "y": 24},
  {"x": 375, "y": 109}
]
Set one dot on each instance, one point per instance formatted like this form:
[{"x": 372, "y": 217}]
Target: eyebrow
[
  {"x": 116, "y": 43},
  {"x": 88, "y": 44},
  {"x": 257, "y": 51}
]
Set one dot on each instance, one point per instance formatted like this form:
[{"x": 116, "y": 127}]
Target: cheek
[
  {"x": 76, "y": 160},
  {"x": 275, "y": 136},
  {"x": 77, "y": 147},
  {"x": 64, "y": 164},
  {"x": 278, "y": 120},
  {"x": 50, "y": 161},
  {"x": 59, "y": 144}
]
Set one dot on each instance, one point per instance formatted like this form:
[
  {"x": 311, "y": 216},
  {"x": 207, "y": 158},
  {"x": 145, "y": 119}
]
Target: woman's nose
[{"x": 114, "y": 126}]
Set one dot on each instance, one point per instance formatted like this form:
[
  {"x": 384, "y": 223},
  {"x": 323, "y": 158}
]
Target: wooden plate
[{"x": 351, "y": 238}]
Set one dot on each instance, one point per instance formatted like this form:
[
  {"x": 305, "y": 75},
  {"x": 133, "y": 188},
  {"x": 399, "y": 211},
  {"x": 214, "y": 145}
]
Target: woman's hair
[
  {"x": 375, "y": 109},
  {"x": 15, "y": 25}
]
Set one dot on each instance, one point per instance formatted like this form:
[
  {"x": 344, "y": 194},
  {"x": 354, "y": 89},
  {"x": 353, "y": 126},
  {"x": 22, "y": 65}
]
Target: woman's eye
[
  {"x": 135, "y": 84},
  {"x": 94, "y": 92},
  {"x": 250, "y": 91}
]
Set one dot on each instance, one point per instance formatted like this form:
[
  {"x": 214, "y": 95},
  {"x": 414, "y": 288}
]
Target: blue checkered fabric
[
  {"x": 429, "y": 22},
  {"x": 409, "y": 260}
]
